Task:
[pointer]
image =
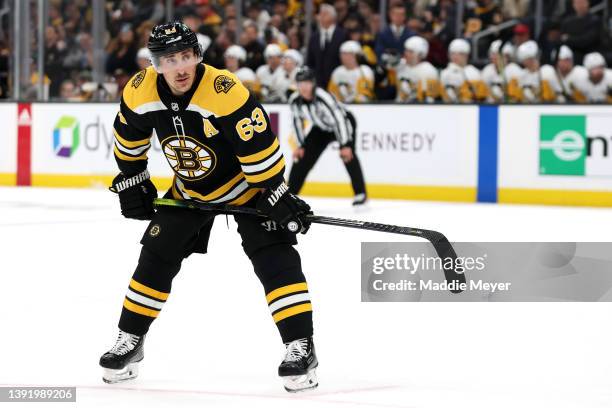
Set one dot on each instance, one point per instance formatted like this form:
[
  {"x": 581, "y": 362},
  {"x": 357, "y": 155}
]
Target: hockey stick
[{"x": 443, "y": 247}]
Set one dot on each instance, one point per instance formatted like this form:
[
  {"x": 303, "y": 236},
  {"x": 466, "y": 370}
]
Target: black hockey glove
[
  {"x": 136, "y": 195},
  {"x": 286, "y": 209}
]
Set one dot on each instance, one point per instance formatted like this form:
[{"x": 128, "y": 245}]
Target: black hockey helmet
[
  {"x": 304, "y": 73},
  {"x": 170, "y": 38}
]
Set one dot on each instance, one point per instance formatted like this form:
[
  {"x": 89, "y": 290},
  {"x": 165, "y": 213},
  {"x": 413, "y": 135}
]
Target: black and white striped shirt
[{"x": 324, "y": 112}]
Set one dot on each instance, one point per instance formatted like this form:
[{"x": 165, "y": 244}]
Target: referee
[{"x": 327, "y": 121}]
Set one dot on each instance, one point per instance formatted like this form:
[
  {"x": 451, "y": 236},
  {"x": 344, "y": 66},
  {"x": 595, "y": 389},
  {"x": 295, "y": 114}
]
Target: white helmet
[
  {"x": 565, "y": 52},
  {"x": 418, "y": 45},
  {"x": 494, "y": 47},
  {"x": 204, "y": 41},
  {"x": 144, "y": 53},
  {"x": 236, "y": 51},
  {"x": 351, "y": 47},
  {"x": 508, "y": 49},
  {"x": 593, "y": 60},
  {"x": 295, "y": 56},
  {"x": 528, "y": 49},
  {"x": 272, "y": 50},
  {"x": 459, "y": 46}
]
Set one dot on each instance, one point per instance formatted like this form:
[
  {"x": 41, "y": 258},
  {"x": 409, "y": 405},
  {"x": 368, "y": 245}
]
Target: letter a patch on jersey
[{"x": 223, "y": 83}]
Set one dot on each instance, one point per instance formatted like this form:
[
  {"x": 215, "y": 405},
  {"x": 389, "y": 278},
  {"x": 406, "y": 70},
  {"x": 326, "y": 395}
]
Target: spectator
[
  {"x": 323, "y": 54},
  {"x": 123, "y": 53},
  {"x": 582, "y": 31},
  {"x": 253, "y": 46},
  {"x": 520, "y": 34},
  {"x": 514, "y": 8},
  {"x": 392, "y": 38},
  {"x": 68, "y": 91},
  {"x": 55, "y": 51}
]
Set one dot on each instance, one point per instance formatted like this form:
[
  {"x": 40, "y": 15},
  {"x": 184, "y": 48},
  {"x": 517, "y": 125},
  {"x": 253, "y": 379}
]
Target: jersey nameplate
[
  {"x": 223, "y": 83},
  {"x": 138, "y": 78}
]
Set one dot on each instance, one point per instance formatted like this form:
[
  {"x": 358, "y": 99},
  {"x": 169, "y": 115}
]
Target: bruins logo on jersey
[
  {"x": 139, "y": 78},
  {"x": 190, "y": 159},
  {"x": 223, "y": 83}
]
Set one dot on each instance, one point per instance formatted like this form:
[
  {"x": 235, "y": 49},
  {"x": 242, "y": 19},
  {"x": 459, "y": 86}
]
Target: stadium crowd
[{"x": 414, "y": 58}]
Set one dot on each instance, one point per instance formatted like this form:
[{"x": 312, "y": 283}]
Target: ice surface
[{"x": 67, "y": 256}]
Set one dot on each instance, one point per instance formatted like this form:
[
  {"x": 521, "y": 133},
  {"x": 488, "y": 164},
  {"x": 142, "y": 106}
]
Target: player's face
[
  {"x": 179, "y": 70},
  {"x": 565, "y": 65},
  {"x": 410, "y": 57},
  {"x": 531, "y": 64},
  {"x": 305, "y": 89},
  {"x": 596, "y": 74},
  {"x": 289, "y": 64},
  {"x": 348, "y": 59},
  {"x": 274, "y": 62},
  {"x": 231, "y": 63},
  {"x": 459, "y": 58}
]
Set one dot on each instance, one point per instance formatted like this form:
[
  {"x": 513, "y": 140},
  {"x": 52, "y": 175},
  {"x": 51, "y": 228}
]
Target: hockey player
[
  {"x": 568, "y": 74},
  {"x": 596, "y": 85},
  {"x": 326, "y": 121},
  {"x": 417, "y": 79},
  {"x": 234, "y": 56},
  {"x": 538, "y": 83},
  {"x": 270, "y": 76},
  {"x": 218, "y": 141},
  {"x": 501, "y": 75},
  {"x": 461, "y": 82},
  {"x": 352, "y": 82},
  {"x": 292, "y": 60}
]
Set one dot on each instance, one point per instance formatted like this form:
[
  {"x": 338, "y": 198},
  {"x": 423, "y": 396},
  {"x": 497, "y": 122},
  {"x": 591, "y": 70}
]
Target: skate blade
[
  {"x": 111, "y": 376},
  {"x": 299, "y": 383}
]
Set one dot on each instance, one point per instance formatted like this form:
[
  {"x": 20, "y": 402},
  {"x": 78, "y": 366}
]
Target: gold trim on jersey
[
  {"x": 219, "y": 103},
  {"x": 144, "y": 93},
  {"x": 255, "y": 157},
  {"x": 268, "y": 174},
  {"x": 129, "y": 158},
  {"x": 245, "y": 197},
  {"x": 130, "y": 144}
]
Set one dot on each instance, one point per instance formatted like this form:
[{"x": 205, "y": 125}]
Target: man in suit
[
  {"x": 392, "y": 38},
  {"x": 323, "y": 54}
]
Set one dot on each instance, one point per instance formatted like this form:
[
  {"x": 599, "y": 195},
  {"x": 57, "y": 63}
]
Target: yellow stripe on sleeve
[
  {"x": 148, "y": 291},
  {"x": 292, "y": 311},
  {"x": 244, "y": 198},
  {"x": 127, "y": 143},
  {"x": 133, "y": 307},
  {"x": 276, "y": 293},
  {"x": 271, "y": 172},
  {"x": 255, "y": 157},
  {"x": 129, "y": 158}
]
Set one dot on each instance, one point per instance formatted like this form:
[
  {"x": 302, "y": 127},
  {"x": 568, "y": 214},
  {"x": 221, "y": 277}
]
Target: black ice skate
[
  {"x": 121, "y": 362},
  {"x": 298, "y": 367},
  {"x": 360, "y": 199}
]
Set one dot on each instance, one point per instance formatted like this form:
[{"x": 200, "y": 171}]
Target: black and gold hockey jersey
[{"x": 217, "y": 138}]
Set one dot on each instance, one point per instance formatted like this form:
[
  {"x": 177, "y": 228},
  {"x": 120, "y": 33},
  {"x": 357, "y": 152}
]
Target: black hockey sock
[
  {"x": 280, "y": 272},
  {"x": 148, "y": 290}
]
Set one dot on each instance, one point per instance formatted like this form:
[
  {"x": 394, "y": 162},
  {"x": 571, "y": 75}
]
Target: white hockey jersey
[
  {"x": 462, "y": 84},
  {"x": 570, "y": 81},
  {"x": 271, "y": 84},
  {"x": 248, "y": 78},
  {"x": 352, "y": 85},
  {"x": 594, "y": 93},
  {"x": 502, "y": 88},
  {"x": 541, "y": 86},
  {"x": 417, "y": 83}
]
